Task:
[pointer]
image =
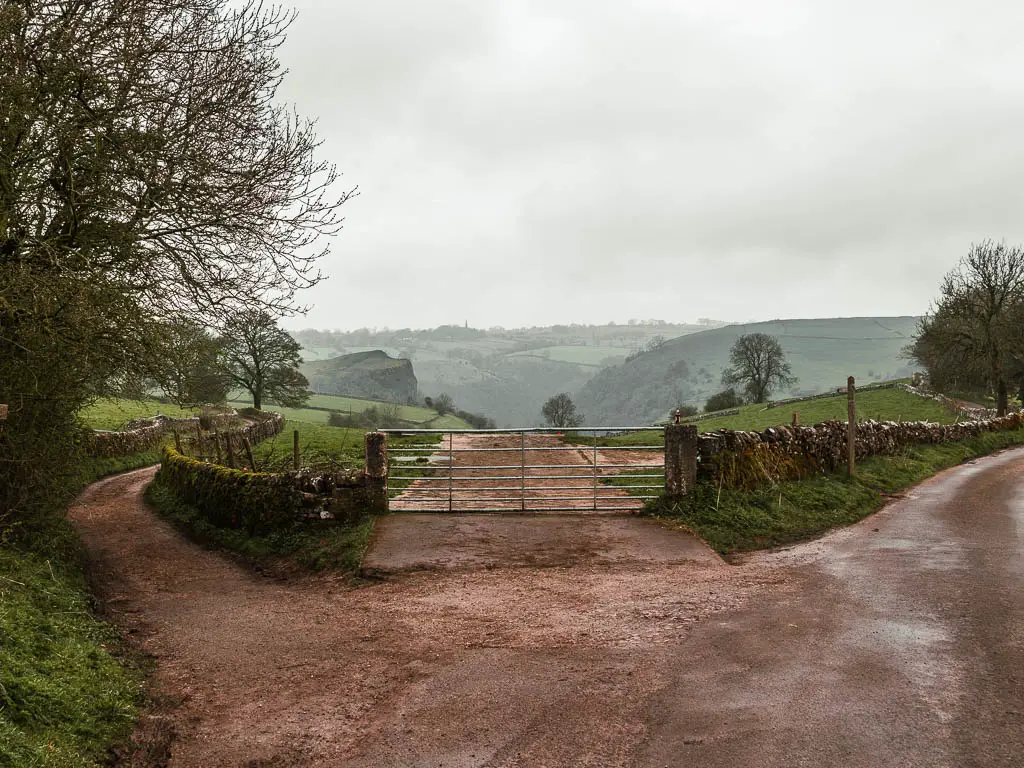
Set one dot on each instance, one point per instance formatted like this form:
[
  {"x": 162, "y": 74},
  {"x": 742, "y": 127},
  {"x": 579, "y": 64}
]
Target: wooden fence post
[
  {"x": 296, "y": 456},
  {"x": 231, "y": 449},
  {"x": 216, "y": 442},
  {"x": 248, "y": 452},
  {"x": 796, "y": 419},
  {"x": 851, "y": 426},
  {"x": 177, "y": 441}
]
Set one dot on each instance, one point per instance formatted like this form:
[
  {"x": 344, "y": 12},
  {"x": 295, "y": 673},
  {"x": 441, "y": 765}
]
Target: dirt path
[
  {"x": 531, "y": 473},
  {"x": 896, "y": 642},
  {"x": 431, "y": 541},
  {"x": 438, "y": 668}
]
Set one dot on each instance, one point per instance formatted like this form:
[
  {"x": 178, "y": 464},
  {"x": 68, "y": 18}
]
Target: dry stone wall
[
  {"x": 139, "y": 435},
  {"x": 260, "y": 502},
  {"x": 746, "y": 459},
  {"x": 262, "y": 425},
  {"x": 149, "y": 434}
]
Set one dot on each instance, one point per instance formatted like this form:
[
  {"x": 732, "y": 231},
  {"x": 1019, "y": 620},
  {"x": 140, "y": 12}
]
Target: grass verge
[
  {"x": 95, "y": 469},
  {"x": 878, "y": 404},
  {"x": 69, "y": 688},
  {"x": 733, "y": 521},
  {"x": 309, "y": 545}
]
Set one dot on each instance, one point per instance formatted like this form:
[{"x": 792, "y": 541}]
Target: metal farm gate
[{"x": 522, "y": 470}]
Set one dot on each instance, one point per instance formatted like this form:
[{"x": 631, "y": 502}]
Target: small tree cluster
[
  {"x": 974, "y": 335},
  {"x": 383, "y": 416},
  {"x": 723, "y": 401},
  {"x": 444, "y": 404},
  {"x": 560, "y": 412}
]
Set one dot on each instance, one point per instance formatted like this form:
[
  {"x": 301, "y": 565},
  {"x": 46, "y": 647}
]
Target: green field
[
  {"x": 423, "y": 418},
  {"x": 357, "y": 405},
  {"x": 320, "y": 445},
  {"x": 589, "y": 356},
  {"x": 114, "y": 414},
  {"x": 879, "y": 405},
  {"x": 688, "y": 369}
]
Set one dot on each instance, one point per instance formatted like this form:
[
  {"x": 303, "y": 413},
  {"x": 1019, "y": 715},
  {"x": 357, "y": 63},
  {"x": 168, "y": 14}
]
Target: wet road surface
[{"x": 903, "y": 647}]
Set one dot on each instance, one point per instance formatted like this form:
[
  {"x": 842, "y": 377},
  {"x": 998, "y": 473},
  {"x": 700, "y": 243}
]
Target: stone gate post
[
  {"x": 376, "y": 471},
  {"x": 680, "y": 459}
]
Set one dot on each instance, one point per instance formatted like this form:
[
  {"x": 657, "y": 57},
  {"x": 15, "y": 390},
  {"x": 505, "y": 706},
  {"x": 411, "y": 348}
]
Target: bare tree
[
  {"x": 443, "y": 404},
  {"x": 759, "y": 364},
  {"x": 192, "y": 373},
  {"x": 143, "y": 149},
  {"x": 974, "y": 333},
  {"x": 560, "y": 412},
  {"x": 146, "y": 172},
  {"x": 263, "y": 359}
]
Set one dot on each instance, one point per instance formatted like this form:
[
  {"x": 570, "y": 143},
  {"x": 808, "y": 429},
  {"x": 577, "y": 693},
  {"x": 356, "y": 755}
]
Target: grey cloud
[{"x": 583, "y": 161}]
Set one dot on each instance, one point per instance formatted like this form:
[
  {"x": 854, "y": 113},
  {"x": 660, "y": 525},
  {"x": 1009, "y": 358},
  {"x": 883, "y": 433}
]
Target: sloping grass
[
  {"x": 320, "y": 444},
  {"x": 422, "y": 417},
  {"x": 64, "y": 697},
  {"x": 94, "y": 469},
  {"x": 737, "y": 521},
  {"x": 358, "y": 405},
  {"x": 879, "y": 405},
  {"x": 113, "y": 414},
  {"x": 69, "y": 691}
]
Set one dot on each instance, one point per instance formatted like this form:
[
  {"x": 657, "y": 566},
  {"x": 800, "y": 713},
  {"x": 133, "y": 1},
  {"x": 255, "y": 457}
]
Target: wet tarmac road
[{"x": 904, "y": 646}]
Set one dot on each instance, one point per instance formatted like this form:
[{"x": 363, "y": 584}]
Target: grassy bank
[
  {"x": 737, "y": 521},
  {"x": 114, "y": 414},
  {"x": 310, "y": 545},
  {"x": 96, "y": 468},
  {"x": 69, "y": 690},
  {"x": 877, "y": 405}
]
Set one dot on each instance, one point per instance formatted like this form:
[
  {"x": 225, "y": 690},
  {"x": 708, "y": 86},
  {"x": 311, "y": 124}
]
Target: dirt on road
[
  {"x": 896, "y": 642},
  {"x": 435, "y": 668}
]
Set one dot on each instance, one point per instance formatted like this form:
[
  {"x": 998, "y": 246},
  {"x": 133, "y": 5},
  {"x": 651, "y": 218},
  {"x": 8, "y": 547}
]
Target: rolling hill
[
  {"x": 504, "y": 373},
  {"x": 373, "y": 375},
  {"x": 688, "y": 369}
]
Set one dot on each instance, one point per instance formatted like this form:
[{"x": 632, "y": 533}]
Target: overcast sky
[{"x": 529, "y": 163}]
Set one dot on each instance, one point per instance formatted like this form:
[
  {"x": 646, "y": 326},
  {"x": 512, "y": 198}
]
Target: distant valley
[{"x": 626, "y": 374}]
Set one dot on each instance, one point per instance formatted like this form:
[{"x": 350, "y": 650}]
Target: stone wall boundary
[
  {"x": 744, "y": 459},
  {"x": 261, "y": 501}
]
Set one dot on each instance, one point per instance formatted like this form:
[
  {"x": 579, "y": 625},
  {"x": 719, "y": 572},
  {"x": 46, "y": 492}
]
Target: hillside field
[
  {"x": 114, "y": 414},
  {"x": 877, "y": 405},
  {"x": 505, "y": 374},
  {"x": 687, "y": 370},
  {"x": 322, "y": 405}
]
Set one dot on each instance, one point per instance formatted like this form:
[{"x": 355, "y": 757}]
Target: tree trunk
[
  {"x": 999, "y": 384},
  {"x": 257, "y": 400}
]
